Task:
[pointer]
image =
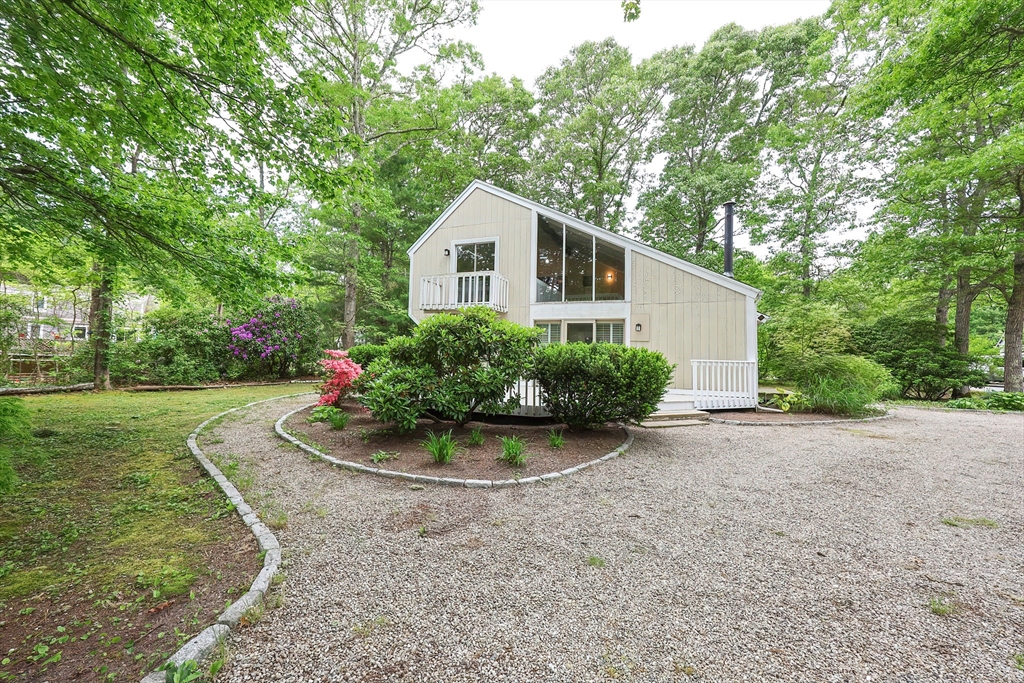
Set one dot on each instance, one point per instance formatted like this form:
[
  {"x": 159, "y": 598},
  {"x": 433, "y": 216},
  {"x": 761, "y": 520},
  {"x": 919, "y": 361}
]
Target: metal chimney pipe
[{"x": 729, "y": 205}]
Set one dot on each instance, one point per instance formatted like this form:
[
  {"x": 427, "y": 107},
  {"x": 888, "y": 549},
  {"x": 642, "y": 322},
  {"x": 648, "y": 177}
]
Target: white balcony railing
[
  {"x": 720, "y": 384},
  {"x": 448, "y": 292}
]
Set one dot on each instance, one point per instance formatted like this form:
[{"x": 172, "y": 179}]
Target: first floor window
[
  {"x": 600, "y": 331},
  {"x": 552, "y": 333},
  {"x": 610, "y": 332}
]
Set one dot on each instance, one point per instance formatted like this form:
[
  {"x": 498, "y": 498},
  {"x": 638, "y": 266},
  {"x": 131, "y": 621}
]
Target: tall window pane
[
  {"x": 611, "y": 272},
  {"x": 579, "y": 266},
  {"x": 549, "y": 260},
  {"x": 465, "y": 258},
  {"x": 485, "y": 256}
]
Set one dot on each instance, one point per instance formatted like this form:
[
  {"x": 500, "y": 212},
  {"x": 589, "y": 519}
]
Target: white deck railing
[
  {"x": 719, "y": 384},
  {"x": 530, "y": 402},
  {"x": 449, "y": 292}
]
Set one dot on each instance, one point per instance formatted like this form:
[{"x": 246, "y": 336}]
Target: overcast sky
[{"x": 524, "y": 37}]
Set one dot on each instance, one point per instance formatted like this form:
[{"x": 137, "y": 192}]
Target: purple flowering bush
[{"x": 281, "y": 338}]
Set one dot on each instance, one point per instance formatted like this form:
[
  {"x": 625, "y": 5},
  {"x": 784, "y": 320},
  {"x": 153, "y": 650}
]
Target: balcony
[{"x": 450, "y": 292}]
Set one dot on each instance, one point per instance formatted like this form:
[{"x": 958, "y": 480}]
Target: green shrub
[
  {"x": 364, "y": 354},
  {"x": 555, "y": 438},
  {"x": 476, "y": 437},
  {"x": 455, "y": 364},
  {"x": 920, "y": 365},
  {"x": 841, "y": 384},
  {"x": 14, "y": 425},
  {"x": 806, "y": 331},
  {"x": 1005, "y": 400},
  {"x": 441, "y": 448},
  {"x": 586, "y": 385},
  {"x": 513, "y": 450},
  {"x": 967, "y": 404}
]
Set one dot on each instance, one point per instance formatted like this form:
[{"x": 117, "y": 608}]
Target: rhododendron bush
[
  {"x": 340, "y": 371},
  {"x": 280, "y": 338}
]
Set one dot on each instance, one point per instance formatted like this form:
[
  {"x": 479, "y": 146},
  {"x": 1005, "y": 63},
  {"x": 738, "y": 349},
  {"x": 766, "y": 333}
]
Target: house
[
  {"x": 54, "y": 320},
  {"x": 580, "y": 283}
]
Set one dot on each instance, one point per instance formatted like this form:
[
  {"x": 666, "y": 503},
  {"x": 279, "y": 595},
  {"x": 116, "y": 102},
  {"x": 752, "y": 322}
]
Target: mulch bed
[
  {"x": 365, "y": 436},
  {"x": 751, "y": 416}
]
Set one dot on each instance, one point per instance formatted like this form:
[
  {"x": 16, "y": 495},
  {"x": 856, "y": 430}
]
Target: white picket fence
[
  {"x": 719, "y": 384},
  {"x": 449, "y": 292}
]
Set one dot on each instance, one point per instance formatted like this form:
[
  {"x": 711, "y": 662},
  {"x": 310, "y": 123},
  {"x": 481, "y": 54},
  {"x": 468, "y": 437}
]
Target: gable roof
[{"x": 604, "y": 234}]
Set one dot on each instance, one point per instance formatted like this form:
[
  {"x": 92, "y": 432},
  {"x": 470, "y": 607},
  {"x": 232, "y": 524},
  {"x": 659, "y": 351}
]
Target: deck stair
[{"x": 676, "y": 417}]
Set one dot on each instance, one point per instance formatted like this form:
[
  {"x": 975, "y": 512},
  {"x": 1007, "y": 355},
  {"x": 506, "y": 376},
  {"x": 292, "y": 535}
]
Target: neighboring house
[
  {"x": 577, "y": 282},
  {"x": 57, "y": 320}
]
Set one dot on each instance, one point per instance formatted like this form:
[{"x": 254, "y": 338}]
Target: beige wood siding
[
  {"x": 690, "y": 317},
  {"x": 482, "y": 215}
]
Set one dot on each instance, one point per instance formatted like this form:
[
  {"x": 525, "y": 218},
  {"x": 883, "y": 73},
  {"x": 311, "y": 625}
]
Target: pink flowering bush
[{"x": 340, "y": 371}]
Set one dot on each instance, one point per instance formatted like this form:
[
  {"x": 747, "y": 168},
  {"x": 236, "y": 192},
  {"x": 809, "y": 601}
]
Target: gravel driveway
[{"x": 713, "y": 553}]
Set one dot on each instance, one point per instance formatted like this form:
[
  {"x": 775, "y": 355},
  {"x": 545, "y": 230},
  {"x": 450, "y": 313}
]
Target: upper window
[
  {"x": 474, "y": 258},
  {"x": 575, "y": 266}
]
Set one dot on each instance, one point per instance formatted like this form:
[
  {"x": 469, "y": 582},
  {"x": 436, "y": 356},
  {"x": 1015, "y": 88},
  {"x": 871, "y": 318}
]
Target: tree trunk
[
  {"x": 1013, "y": 373},
  {"x": 942, "y": 310},
  {"x": 348, "y": 335},
  {"x": 965, "y": 296},
  {"x": 100, "y": 323}
]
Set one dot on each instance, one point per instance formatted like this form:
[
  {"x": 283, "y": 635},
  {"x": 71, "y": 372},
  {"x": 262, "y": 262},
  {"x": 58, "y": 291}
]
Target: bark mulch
[{"x": 365, "y": 436}]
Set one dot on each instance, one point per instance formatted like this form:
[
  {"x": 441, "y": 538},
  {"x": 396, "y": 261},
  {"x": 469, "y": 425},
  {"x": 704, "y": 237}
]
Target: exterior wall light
[
  {"x": 637, "y": 327},
  {"x": 447, "y": 252}
]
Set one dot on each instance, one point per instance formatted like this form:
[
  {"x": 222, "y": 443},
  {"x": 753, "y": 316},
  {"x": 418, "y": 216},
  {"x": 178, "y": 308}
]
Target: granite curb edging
[
  {"x": 204, "y": 644},
  {"x": 799, "y": 423},
  {"x": 445, "y": 481}
]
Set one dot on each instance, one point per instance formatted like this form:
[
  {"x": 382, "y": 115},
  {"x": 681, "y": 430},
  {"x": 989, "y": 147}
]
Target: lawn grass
[{"x": 113, "y": 549}]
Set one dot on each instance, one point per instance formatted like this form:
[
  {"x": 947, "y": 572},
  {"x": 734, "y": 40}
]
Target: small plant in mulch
[
  {"x": 595, "y": 561},
  {"x": 790, "y": 400},
  {"x": 476, "y": 437},
  {"x": 383, "y": 456},
  {"x": 442, "y": 448},
  {"x": 513, "y": 450},
  {"x": 555, "y": 438}
]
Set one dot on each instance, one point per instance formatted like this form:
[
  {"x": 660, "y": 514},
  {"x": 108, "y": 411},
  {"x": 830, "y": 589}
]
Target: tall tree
[
  {"x": 598, "y": 110},
  {"x": 953, "y": 70},
  {"x": 710, "y": 142},
  {"x": 127, "y": 129},
  {"x": 809, "y": 186},
  {"x": 353, "y": 49}
]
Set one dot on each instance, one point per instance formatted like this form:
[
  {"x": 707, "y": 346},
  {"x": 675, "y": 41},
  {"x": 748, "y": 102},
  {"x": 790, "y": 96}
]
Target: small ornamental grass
[
  {"x": 441, "y": 448},
  {"x": 476, "y": 437},
  {"x": 336, "y": 416},
  {"x": 555, "y": 438},
  {"x": 513, "y": 450}
]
